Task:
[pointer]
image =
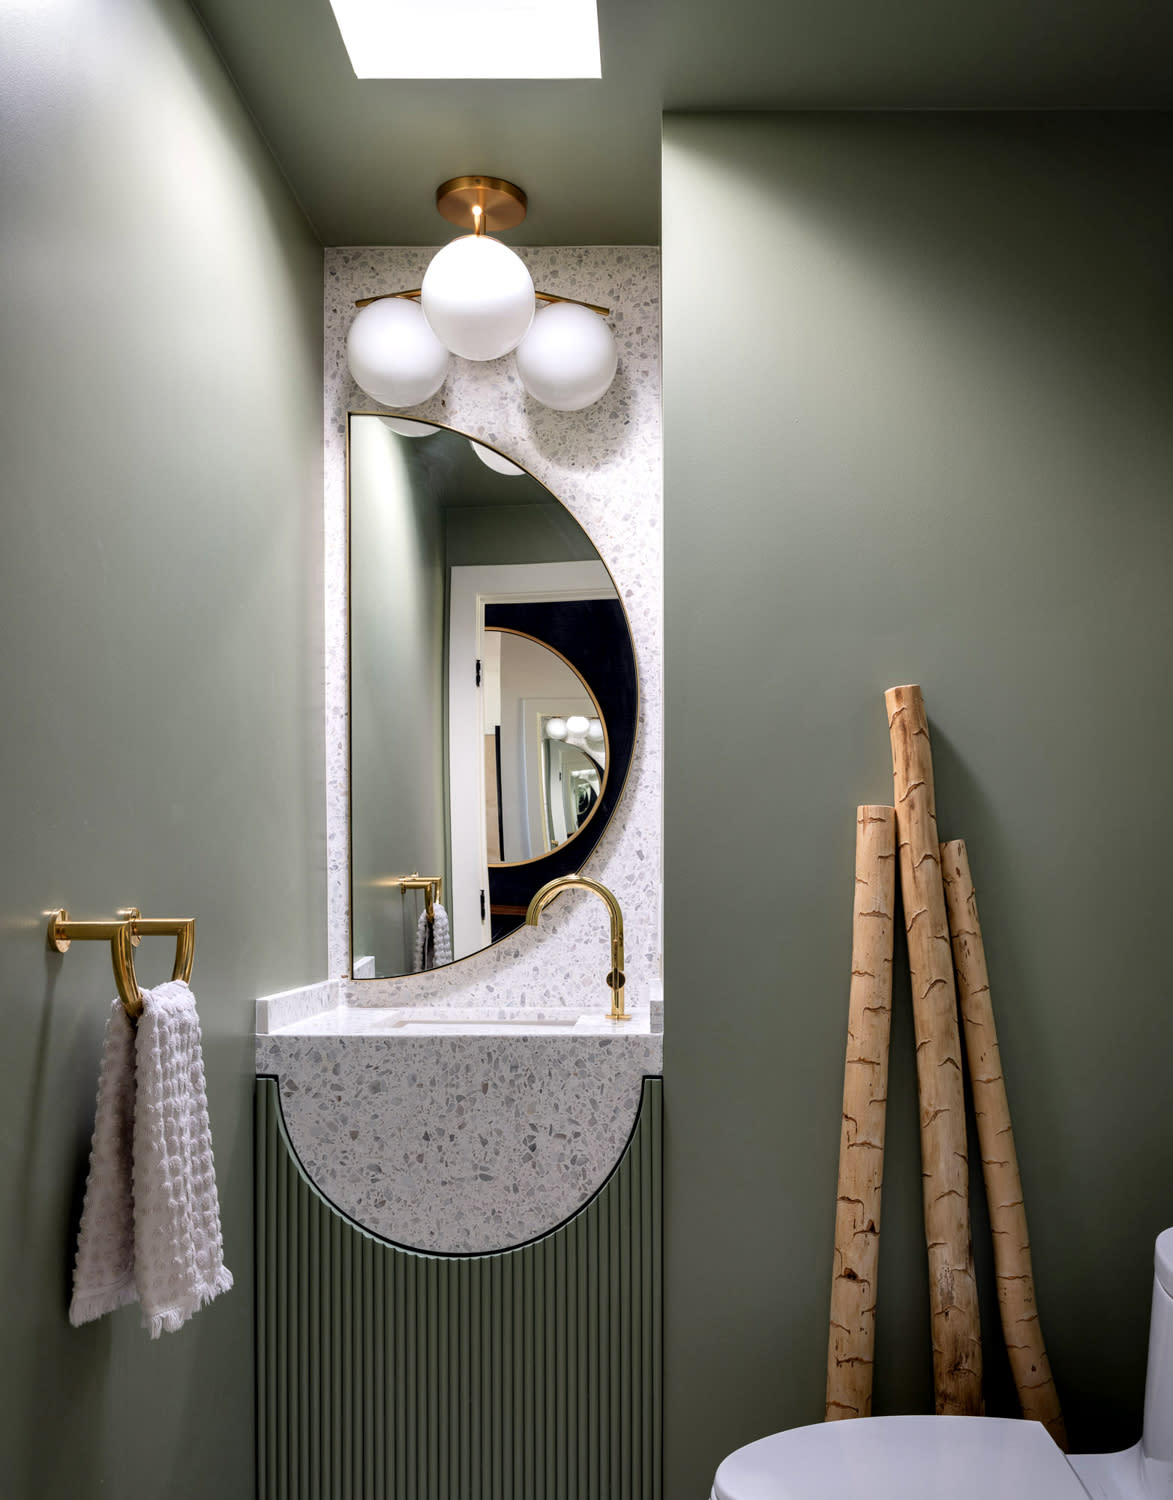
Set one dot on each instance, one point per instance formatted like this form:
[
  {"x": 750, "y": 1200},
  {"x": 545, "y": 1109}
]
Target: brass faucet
[{"x": 580, "y": 882}]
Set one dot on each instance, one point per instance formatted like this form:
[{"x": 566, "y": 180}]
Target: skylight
[{"x": 471, "y": 38}]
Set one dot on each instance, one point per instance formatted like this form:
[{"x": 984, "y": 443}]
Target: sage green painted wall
[
  {"x": 397, "y": 745},
  {"x": 484, "y": 534},
  {"x": 160, "y": 682},
  {"x": 918, "y": 382}
]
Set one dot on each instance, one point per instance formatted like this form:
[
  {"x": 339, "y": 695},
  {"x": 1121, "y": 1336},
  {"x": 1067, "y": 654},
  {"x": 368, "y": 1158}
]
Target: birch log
[
  {"x": 953, "y": 1302},
  {"x": 1012, "y": 1262},
  {"x": 851, "y": 1344}
]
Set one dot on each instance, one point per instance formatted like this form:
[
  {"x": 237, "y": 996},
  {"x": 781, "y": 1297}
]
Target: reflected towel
[
  {"x": 150, "y": 1227},
  {"x": 433, "y": 941}
]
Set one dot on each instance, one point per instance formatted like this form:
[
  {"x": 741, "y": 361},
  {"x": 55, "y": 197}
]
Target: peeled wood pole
[
  {"x": 861, "y": 1141},
  {"x": 953, "y": 1302},
  {"x": 1012, "y": 1265}
]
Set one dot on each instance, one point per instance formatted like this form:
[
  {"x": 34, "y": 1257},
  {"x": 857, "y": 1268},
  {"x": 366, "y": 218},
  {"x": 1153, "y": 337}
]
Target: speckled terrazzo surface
[
  {"x": 458, "y": 1143},
  {"x": 274, "y": 1011},
  {"x": 605, "y": 465}
]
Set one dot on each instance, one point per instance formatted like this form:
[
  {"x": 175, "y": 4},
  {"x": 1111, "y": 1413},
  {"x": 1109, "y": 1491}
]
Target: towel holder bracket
[
  {"x": 124, "y": 935},
  {"x": 431, "y": 885},
  {"x": 57, "y": 919}
]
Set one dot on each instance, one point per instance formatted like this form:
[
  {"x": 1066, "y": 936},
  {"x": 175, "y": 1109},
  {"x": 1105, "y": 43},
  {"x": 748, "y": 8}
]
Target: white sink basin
[
  {"x": 436, "y": 1020},
  {"x": 473, "y": 1025}
]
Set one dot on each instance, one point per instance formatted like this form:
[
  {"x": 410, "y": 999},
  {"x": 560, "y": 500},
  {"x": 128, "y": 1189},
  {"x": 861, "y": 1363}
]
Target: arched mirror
[{"x": 493, "y": 694}]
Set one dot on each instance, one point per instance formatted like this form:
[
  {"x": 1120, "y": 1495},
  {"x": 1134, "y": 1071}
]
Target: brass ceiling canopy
[
  {"x": 476, "y": 301},
  {"x": 502, "y": 203}
]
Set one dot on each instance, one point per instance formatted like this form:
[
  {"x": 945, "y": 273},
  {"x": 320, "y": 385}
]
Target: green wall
[
  {"x": 397, "y": 749},
  {"x": 485, "y": 534},
  {"x": 160, "y": 588},
  {"x": 918, "y": 382}
]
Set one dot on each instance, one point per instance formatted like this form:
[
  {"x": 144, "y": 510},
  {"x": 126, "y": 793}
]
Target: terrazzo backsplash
[{"x": 604, "y": 464}]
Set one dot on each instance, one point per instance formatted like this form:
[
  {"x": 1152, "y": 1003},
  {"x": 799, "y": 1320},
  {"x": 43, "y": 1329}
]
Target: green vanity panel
[{"x": 387, "y": 1374}]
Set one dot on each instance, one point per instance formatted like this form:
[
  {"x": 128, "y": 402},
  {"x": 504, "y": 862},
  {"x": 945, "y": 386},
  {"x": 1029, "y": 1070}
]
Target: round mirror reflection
[
  {"x": 545, "y": 749},
  {"x": 493, "y": 695}
]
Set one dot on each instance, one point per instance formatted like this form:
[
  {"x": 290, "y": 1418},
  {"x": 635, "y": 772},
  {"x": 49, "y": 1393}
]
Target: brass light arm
[
  {"x": 603, "y": 312},
  {"x": 615, "y": 978}
]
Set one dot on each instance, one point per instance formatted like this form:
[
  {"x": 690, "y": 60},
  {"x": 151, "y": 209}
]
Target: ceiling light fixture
[
  {"x": 478, "y": 301},
  {"x": 495, "y": 461},
  {"x": 405, "y": 427},
  {"x": 585, "y": 734}
]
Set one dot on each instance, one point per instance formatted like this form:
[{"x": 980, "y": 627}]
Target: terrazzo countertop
[{"x": 457, "y": 1133}]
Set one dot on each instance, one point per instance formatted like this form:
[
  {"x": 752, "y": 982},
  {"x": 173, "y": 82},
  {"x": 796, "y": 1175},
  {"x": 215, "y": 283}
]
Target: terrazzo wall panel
[{"x": 605, "y": 465}]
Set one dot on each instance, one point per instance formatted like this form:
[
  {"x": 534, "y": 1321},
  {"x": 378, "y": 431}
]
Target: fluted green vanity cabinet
[{"x": 528, "y": 1374}]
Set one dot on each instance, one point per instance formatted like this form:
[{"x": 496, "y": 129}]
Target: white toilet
[{"x": 967, "y": 1458}]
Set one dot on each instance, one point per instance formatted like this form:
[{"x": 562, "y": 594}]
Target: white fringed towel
[
  {"x": 150, "y": 1227},
  {"x": 433, "y": 941}
]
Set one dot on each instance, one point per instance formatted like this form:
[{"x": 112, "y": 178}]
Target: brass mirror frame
[{"x": 620, "y": 789}]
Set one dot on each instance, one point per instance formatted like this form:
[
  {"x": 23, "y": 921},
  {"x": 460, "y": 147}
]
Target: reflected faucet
[{"x": 580, "y": 882}]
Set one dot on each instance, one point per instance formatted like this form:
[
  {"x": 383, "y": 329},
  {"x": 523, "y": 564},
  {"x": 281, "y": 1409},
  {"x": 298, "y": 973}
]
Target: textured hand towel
[
  {"x": 172, "y": 1212},
  {"x": 433, "y": 941},
  {"x": 424, "y": 953},
  {"x": 178, "y": 1250},
  {"x": 103, "y": 1275}
]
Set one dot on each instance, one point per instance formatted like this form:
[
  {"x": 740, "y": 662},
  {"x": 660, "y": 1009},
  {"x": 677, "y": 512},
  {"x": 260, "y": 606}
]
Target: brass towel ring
[{"x": 124, "y": 936}]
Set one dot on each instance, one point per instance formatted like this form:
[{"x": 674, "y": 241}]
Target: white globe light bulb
[
  {"x": 556, "y": 729},
  {"x": 407, "y": 428},
  {"x": 478, "y": 297},
  {"x": 393, "y": 355},
  {"x": 594, "y": 730},
  {"x": 568, "y": 358},
  {"x": 577, "y": 724},
  {"x": 493, "y": 460}
]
